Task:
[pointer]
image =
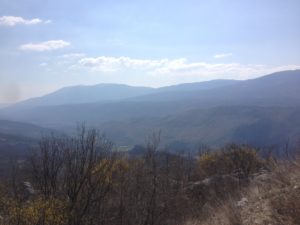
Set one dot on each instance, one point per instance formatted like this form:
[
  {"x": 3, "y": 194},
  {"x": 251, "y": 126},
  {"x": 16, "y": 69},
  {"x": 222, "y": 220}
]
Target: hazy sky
[{"x": 45, "y": 45}]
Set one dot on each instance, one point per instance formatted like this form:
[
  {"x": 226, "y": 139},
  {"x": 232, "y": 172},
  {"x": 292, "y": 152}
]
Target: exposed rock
[
  {"x": 215, "y": 187},
  {"x": 242, "y": 202},
  {"x": 27, "y": 190}
]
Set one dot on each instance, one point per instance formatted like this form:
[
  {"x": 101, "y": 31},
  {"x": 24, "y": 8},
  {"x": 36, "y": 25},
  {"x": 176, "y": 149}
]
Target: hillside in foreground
[
  {"x": 81, "y": 180},
  {"x": 271, "y": 198}
]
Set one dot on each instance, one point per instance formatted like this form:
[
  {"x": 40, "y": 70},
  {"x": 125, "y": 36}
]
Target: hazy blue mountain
[
  {"x": 4, "y": 105},
  {"x": 94, "y": 113},
  {"x": 280, "y": 88},
  {"x": 258, "y": 111},
  {"x": 23, "y": 129},
  {"x": 254, "y": 125},
  {"x": 87, "y": 94},
  {"x": 112, "y": 101},
  {"x": 205, "y": 85},
  {"x": 111, "y": 92},
  {"x": 17, "y": 140}
]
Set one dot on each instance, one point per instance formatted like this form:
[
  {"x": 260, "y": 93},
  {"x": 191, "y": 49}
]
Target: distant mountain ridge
[
  {"x": 280, "y": 86},
  {"x": 87, "y": 94},
  {"x": 204, "y": 85},
  {"x": 113, "y": 92},
  {"x": 212, "y": 112}
]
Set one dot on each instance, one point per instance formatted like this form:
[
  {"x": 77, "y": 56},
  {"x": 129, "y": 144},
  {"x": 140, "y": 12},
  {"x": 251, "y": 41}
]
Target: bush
[
  {"x": 239, "y": 160},
  {"x": 38, "y": 211}
]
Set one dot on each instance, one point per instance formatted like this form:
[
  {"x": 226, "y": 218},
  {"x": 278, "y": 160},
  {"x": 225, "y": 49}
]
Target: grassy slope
[{"x": 272, "y": 198}]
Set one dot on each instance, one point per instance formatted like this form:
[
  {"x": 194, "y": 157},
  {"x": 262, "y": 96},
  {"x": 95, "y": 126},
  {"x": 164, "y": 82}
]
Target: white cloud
[
  {"x": 45, "y": 46},
  {"x": 222, "y": 55},
  {"x": 111, "y": 64},
  {"x": 178, "y": 68},
  {"x": 72, "y": 56},
  {"x": 16, "y": 20}
]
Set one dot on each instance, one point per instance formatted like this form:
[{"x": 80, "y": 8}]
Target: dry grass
[
  {"x": 286, "y": 203},
  {"x": 271, "y": 199}
]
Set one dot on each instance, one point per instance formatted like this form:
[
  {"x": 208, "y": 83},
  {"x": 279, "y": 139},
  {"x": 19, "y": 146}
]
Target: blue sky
[{"x": 45, "y": 45}]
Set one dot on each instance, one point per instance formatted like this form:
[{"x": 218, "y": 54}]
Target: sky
[{"x": 49, "y": 44}]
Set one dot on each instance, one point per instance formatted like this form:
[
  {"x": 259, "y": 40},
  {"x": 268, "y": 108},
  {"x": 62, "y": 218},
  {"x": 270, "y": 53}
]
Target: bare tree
[{"x": 77, "y": 170}]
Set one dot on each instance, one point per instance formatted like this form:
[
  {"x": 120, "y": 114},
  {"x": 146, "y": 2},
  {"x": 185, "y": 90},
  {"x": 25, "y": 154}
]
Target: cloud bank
[
  {"x": 16, "y": 20},
  {"x": 178, "y": 67},
  {"x": 45, "y": 46},
  {"x": 112, "y": 64},
  {"x": 222, "y": 55}
]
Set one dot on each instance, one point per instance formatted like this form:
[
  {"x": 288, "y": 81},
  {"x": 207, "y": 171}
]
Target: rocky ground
[{"x": 272, "y": 198}]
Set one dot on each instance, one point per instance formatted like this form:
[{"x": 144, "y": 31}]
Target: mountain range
[{"x": 262, "y": 111}]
